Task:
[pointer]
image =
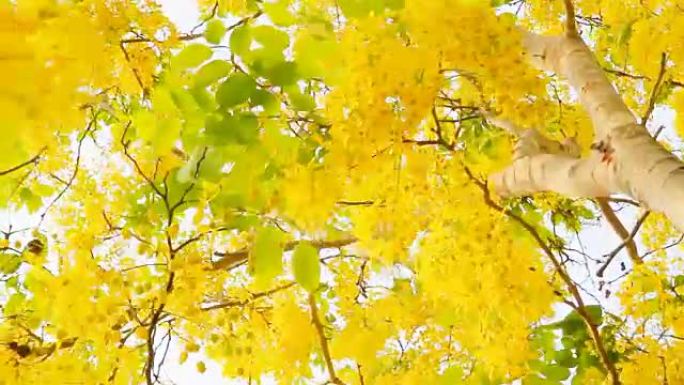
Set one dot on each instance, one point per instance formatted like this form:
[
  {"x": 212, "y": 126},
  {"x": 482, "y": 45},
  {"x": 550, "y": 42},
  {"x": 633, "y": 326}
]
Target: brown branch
[
  {"x": 138, "y": 78},
  {"x": 620, "y": 73},
  {"x": 423, "y": 142},
  {"x": 185, "y": 37},
  {"x": 668, "y": 246},
  {"x": 626, "y": 201},
  {"x": 355, "y": 203},
  {"x": 619, "y": 229},
  {"x": 74, "y": 173},
  {"x": 656, "y": 89},
  {"x": 625, "y": 74},
  {"x": 192, "y": 35},
  {"x": 230, "y": 259},
  {"x": 320, "y": 329},
  {"x": 358, "y": 369},
  {"x": 253, "y": 297},
  {"x": 138, "y": 169},
  {"x": 570, "y": 25},
  {"x": 615, "y": 252},
  {"x": 33, "y": 160}
]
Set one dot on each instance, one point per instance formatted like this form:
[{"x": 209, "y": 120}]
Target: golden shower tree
[{"x": 346, "y": 192}]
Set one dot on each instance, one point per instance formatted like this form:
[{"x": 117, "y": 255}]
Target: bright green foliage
[
  {"x": 214, "y": 31},
  {"x": 307, "y": 269},
  {"x": 266, "y": 257}
]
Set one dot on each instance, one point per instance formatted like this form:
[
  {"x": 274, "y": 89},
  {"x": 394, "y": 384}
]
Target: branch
[
  {"x": 184, "y": 37},
  {"x": 620, "y": 229},
  {"x": 33, "y": 160},
  {"x": 253, "y": 297},
  {"x": 355, "y": 203},
  {"x": 138, "y": 78},
  {"x": 230, "y": 259},
  {"x": 625, "y": 201},
  {"x": 615, "y": 252},
  {"x": 656, "y": 89},
  {"x": 320, "y": 328},
  {"x": 192, "y": 35},
  {"x": 617, "y": 72},
  {"x": 570, "y": 25},
  {"x": 669, "y": 246},
  {"x": 74, "y": 173}
]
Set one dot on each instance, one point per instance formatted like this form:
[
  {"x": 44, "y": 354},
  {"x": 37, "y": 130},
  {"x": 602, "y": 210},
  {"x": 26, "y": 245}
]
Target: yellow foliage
[{"x": 355, "y": 126}]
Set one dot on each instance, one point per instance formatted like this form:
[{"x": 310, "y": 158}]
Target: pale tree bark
[{"x": 626, "y": 159}]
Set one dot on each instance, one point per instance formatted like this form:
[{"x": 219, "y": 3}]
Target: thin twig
[
  {"x": 656, "y": 89},
  {"x": 610, "y": 256},
  {"x": 33, "y": 160},
  {"x": 626, "y": 201},
  {"x": 666, "y": 247},
  {"x": 74, "y": 173},
  {"x": 253, "y": 297},
  {"x": 230, "y": 259},
  {"x": 136, "y": 74}
]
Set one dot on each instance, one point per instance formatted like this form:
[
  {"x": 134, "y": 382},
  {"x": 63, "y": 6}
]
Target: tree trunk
[{"x": 627, "y": 159}]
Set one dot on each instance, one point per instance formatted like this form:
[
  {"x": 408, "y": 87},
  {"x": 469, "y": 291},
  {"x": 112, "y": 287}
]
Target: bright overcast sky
[{"x": 184, "y": 13}]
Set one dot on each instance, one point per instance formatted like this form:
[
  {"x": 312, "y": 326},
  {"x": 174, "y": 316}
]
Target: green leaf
[
  {"x": 452, "y": 375},
  {"x": 191, "y": 56},
  {"x": 203, "y": 98},
  {"x": 235, "y": 90},
  {"x": 396, "y": 4},
  {"x": 211, "y": 72},
  {"x": 565, "y": 358},
  {"x": 266, "y": 256},
  {"x": 545, "y": 339},
  {"x": 588, "y": 360},
  {"x": 279, "y": 13},
  {"x": 307, "y": 269},
  {"x": 626, "y": 33},
  {"x": 354, "y": 8},
  {"x": 300, "y": 101},
  {"x": 183, "y": 100},
  {"x": 32, "y": 201},
  {"x": 498, "y": 3},
  {"x": 595, "y": 313},
  {"x": 240, "y": 40},
  {"x": 678, "y": 280},
  {"x": 282, "y": 74},
  {"x": 271, "y": 38},
  {"x": 9, "y": 263},
  {"x": 534, "y": 379},
  {"x": 266, "y": 100},
  {"x": 247, "y": 128},
  {"x": 215, "y": 31},
  {"x": 556, "y": 373},
  {"x": 311, "y": 52},
  {"x": 14, "y": 304},
  {"x": 219, "y": 129},
  {"x": 572, "y": 323}
]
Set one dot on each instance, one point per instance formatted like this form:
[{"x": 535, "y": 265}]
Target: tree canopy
[{"x": 345, "y": 192}]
